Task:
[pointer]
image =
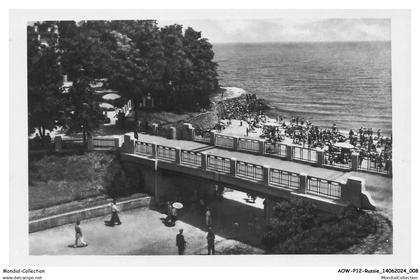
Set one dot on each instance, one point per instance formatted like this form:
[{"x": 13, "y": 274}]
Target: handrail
[
  {"x": 190, "y": 158},
  {"x": 249, "y": 170},
  {"x": 324, "y": 187},
  {"x": 284, "y": 178},
  {"x": 217, "y": 163}
]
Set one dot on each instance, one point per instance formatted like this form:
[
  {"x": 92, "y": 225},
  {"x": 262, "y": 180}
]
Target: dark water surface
[{"x": 344, "y": 83}]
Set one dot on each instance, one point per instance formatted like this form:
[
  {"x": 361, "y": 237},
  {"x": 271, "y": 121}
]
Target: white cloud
[{"x": 286, "y": 30}]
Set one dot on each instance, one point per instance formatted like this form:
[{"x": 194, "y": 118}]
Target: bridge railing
[
  {"x": 249, "y": 145},
  {"x": 323, "y": 187},
  {"x": 166, "y": 153},
  {"x": 203, "y": 137},
  {"x": 374, "y": 165},
  {"x": 143, "y": 148},
  {"x": 330, "y": 160},
  {"x": 191, "y": 158},
  {"x": 284, "y": 179},
  {"x": 276, "y": 149},
  {"x": 104, "y": 143},
  {"x": 219, "y": 164},
  {"x": 304, "y": 154},
  {"x": 249, "y": 170},
  {"x": 224, "y": 141}
]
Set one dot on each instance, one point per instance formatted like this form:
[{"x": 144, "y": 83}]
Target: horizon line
[{"x": 293, "y": 42}]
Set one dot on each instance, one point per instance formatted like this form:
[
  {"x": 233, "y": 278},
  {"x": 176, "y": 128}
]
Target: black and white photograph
[
  {"x": 212, "y": 137},
  {"x": 147, "y": 137}
]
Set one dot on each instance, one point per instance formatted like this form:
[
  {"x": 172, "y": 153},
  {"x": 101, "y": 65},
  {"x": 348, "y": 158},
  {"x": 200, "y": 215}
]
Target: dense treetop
[{"x": 137, "y": 58}]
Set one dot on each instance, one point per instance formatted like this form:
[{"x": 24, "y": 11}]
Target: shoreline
[{"x": 236, "y": 92}]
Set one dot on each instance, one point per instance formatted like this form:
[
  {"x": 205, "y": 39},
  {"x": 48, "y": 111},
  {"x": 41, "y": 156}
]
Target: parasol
[
  {"x": 344, "y": 145},
  {"x": 177, "y": 205},
  {"x": 106, "y": 106},
  {"x": 111, "y": 96}
]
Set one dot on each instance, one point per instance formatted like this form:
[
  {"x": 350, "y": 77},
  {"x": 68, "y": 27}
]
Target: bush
[{"x": 298, "y": 227}]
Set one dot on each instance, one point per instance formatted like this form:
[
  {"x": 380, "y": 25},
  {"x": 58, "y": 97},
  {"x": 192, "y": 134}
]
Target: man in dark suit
[
  {"x": 210, "y": 241},
  {"x": 180, "y": 242}
]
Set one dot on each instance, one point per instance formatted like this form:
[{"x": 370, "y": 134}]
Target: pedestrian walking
[
  {"x": 180, "y": 242},
  {"x": 79, "y": 236},
  {"x": 210, "y": 241},
  {"x": 115, "y": 219}
]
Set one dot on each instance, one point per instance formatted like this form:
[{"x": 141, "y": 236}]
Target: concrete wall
[{"x": 71, "y": 217}]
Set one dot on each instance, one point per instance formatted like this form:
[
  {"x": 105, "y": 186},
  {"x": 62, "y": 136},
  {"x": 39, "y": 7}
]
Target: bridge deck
[{"x": 379, "y": 187}]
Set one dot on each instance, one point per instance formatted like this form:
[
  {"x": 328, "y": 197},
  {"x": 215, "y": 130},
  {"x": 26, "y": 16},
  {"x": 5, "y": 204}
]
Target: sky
[{"x": 288, "y": 30}]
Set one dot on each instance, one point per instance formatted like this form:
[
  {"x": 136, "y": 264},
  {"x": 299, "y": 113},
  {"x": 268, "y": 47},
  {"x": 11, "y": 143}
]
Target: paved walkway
[{"x": 143, "y": 233}]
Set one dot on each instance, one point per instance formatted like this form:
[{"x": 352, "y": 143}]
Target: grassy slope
[{"x": 55, "y": 179}]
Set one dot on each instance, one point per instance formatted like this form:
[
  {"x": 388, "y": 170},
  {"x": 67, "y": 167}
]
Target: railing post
[
  {"x": 303, "y": 181},
  {"x": 58, "y": 143},
  {"x": 212, "y": 138},
  {"x": 172, "y": 131},
  {"x": 128, "y": 145},
  {"x": 116, "y": 143},
  {"x": 261, "y": 147},
  {"x": 178, "y": 152},
  {"x": 233, "y": 162},
  {"x": 351, "y": 192},
  {"x": 192, "y": 133},
  {"x": 204, "y": 161},
  {"x": 90, "y": 143},
  {"x": 266, "y": 174},
  {"x": 289, "y": 152},
  {"x": 235, "y": 143},
  {"x": 155, "y": 128},
  {"x": 319, "y": 157},
  {"x": 154, "y": 150},
  {"x": 354, "y": 161}
]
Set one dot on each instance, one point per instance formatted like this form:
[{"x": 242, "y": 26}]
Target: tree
[
  {"x": 83, "y": 111},
  {"x": 45, "y": 99}
]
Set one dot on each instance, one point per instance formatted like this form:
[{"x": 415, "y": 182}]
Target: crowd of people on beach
[{"x": 368, "y": 143}]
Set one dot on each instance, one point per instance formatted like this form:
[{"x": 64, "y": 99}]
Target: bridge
[{"x": 165, "y": 164}]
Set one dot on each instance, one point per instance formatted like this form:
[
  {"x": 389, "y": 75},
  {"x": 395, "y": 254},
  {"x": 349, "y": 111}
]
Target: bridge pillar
[
  {"x": 58, "y": 143},
  {"x": 235, "y": 143},
  {"x": 204, "y": 161},
  {"x": 172, "y": 134},
  {"x": 212, "y": 138},
  {"x": 178, "y": 155},
  {"x": 319, "y": 157},
  {"x": 303, "y": 178},
  {"x": 266, "y": 174},
  {"x": 261, "y": 144},
  {"x": 352, "y": 191},
  {"x": 154, "y": 150},
  {"x": 233, "y": 167},
  {"x": 268, "y": 209},
  {"x": 288, "y": 152},
  {"x": 354, "y": 161}
]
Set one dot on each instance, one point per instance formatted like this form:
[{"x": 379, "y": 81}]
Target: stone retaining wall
[{"x": 96, "y": 211}]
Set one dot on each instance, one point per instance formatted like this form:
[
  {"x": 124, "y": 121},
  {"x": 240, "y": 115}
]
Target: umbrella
[
  {"x": 106, "y": 106},
  {"x": 111, "y": 96},
  {"x": 177, "y": 205},
  {"x": 344, "y": 145}
]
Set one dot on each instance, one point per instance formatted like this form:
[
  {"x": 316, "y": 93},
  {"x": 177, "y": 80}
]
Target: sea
[{"x": 346, "y": 83}]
